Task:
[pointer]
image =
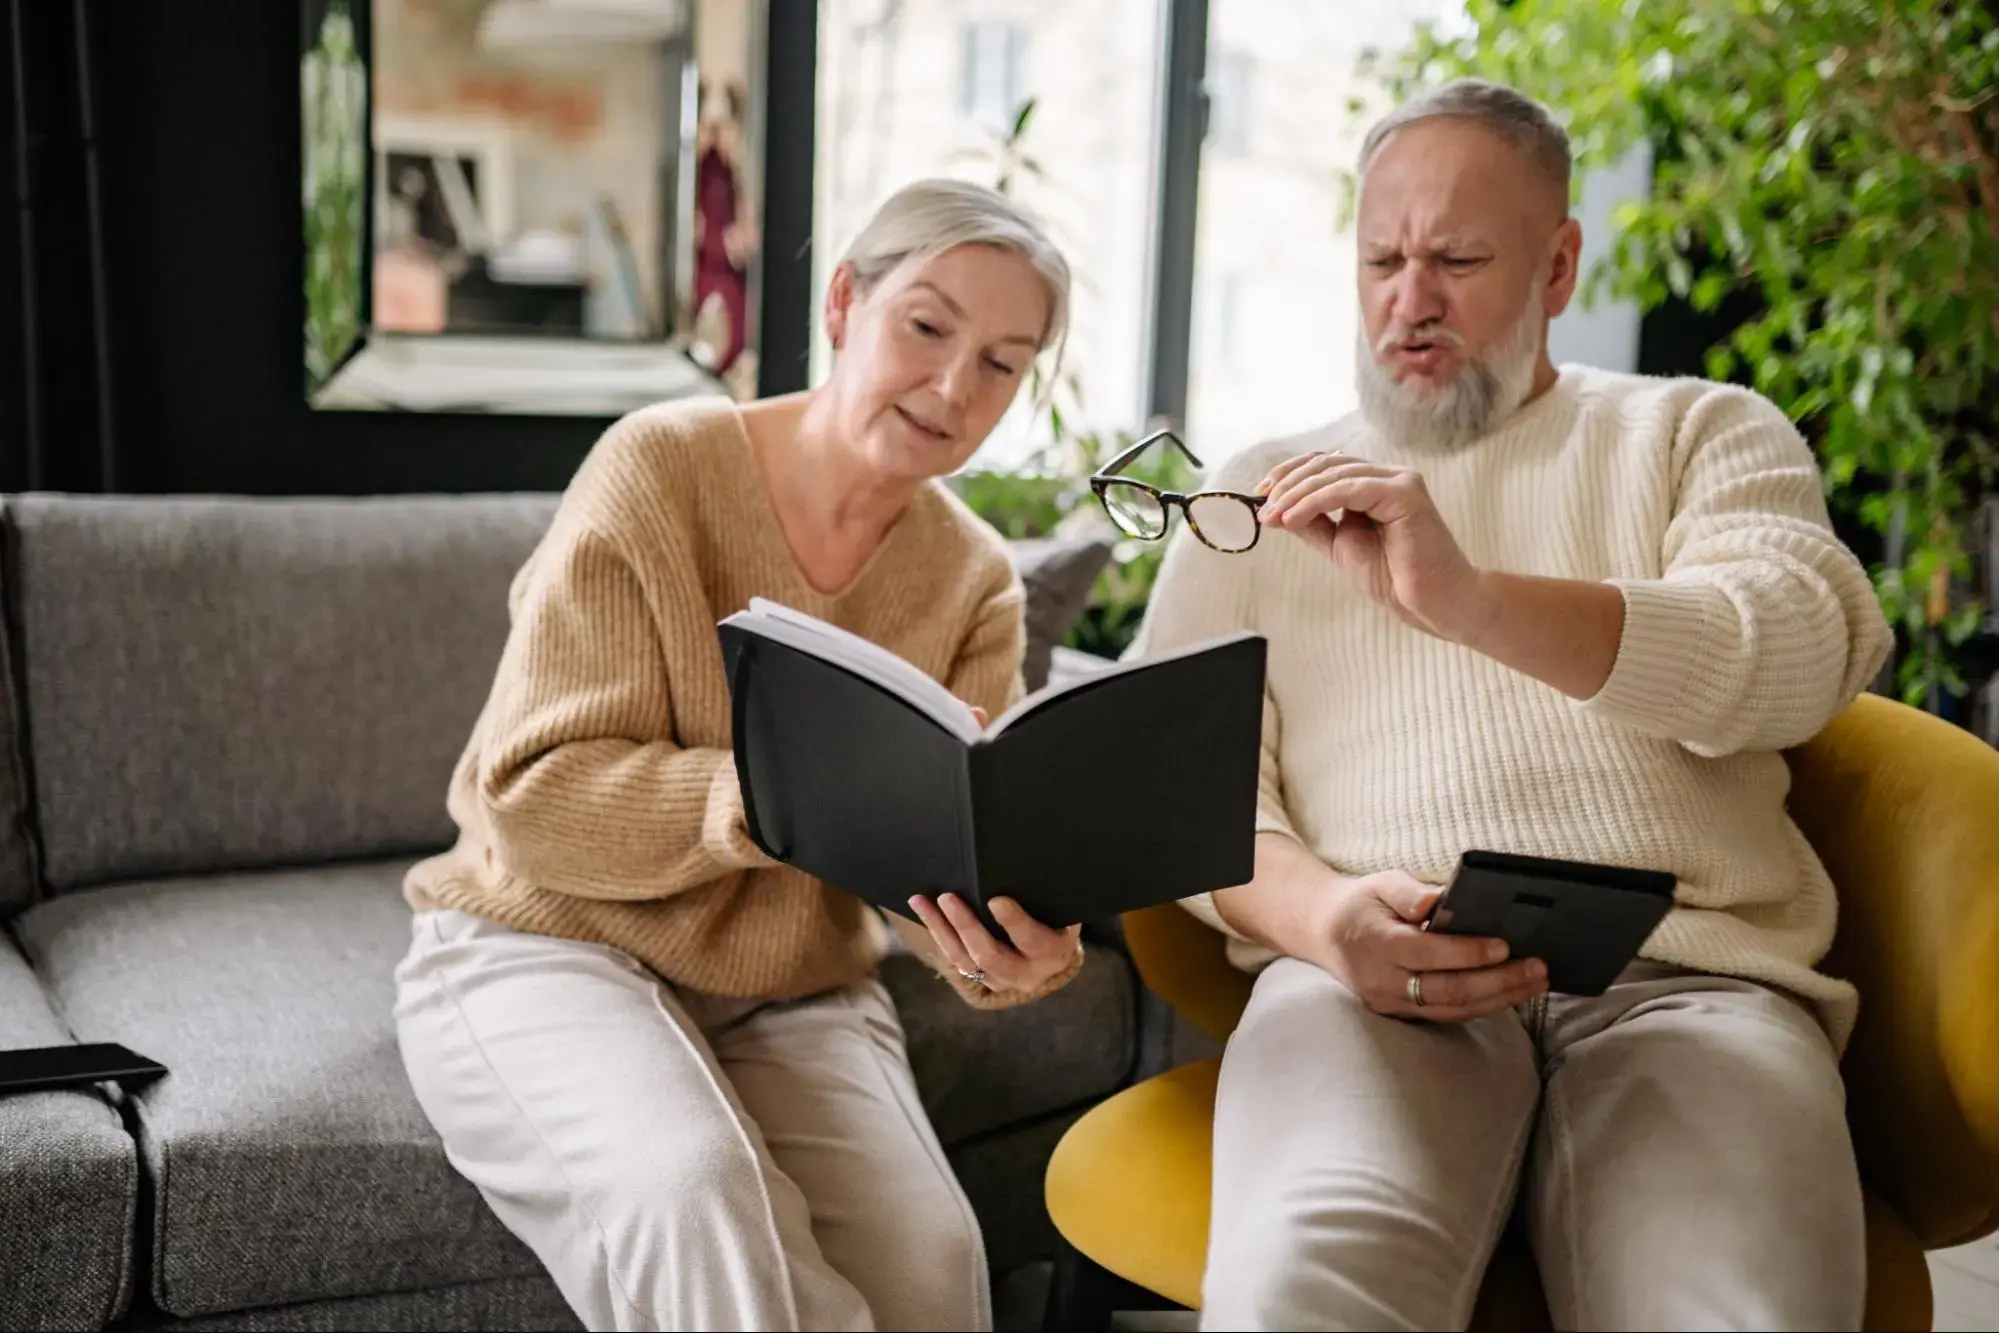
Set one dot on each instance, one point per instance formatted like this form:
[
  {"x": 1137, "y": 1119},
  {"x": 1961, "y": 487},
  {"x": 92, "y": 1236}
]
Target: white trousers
[
  {"x": 1679, "y": 1144},
  {"x": 682, "y": 1162}
]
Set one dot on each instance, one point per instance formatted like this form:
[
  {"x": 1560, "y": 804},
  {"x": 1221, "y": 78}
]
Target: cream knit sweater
[{"x": 1748, "y": 626}]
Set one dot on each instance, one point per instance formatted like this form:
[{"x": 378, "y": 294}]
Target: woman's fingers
[
  {"x": 988, "y": 954},
  {"x": 941, "y": 930},
  {"x": 1028, "y": 935},
  {"x": 1037, "y": 952}
]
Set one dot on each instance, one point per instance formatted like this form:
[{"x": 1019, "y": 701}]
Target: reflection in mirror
[{"x": 529, "y": 205}]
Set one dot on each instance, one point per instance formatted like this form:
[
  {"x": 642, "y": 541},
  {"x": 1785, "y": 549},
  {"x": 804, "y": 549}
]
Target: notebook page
[{"x": 864, "y": 658}]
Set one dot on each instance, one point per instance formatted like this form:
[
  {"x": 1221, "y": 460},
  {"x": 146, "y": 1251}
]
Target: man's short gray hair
[{"x": 1529, "y": 125}]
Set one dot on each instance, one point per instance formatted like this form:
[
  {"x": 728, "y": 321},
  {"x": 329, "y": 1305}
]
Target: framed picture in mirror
[{"x": 529, "y": 206}]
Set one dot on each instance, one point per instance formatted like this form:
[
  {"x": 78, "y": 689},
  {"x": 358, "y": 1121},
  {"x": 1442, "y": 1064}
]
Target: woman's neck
[{"x": 834, "y": 508}]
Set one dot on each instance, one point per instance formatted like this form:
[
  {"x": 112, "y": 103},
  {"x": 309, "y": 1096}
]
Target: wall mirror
[{"x": 530, "y": 206}]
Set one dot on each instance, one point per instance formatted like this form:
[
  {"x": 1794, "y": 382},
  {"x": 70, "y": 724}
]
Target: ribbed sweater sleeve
[
  {"x": 580, "y": 794},
  {"x": 1763, "y": 626}
]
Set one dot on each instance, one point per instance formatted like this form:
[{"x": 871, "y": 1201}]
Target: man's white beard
[{"x": 1485, "y": 391}]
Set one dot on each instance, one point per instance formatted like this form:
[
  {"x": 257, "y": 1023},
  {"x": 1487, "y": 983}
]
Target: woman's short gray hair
[
  {"x": 1530, "y": 126},
  {"x": 928, "y": 217}
]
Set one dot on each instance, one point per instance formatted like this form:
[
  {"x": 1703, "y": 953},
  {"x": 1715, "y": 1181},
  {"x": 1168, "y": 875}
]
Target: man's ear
[
  {"x": 839, "y": 305},
  {"x": 1564, "y": 267}
]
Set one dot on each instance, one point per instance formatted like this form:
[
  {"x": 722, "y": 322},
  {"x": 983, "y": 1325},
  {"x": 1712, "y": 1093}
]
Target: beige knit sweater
[
  {"x": 1748, "y": 626},
  {"x": 597, "y": 798}
]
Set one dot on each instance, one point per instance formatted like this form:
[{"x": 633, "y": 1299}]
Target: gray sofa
[{"x": 228, "y": 726}]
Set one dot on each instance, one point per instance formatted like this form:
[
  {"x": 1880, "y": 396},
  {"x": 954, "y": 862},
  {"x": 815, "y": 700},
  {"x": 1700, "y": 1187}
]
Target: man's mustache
[{"x": 1429, "y": 331}]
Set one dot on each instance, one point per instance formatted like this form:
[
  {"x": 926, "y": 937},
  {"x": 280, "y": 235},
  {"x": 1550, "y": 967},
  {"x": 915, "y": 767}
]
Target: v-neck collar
[{"x": 778, "y": 544}]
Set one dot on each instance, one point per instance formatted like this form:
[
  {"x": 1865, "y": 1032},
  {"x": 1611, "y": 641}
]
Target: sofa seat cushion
[
  {"x": 289, "y": 1158},
  {"x": 69, "y": 1183}
]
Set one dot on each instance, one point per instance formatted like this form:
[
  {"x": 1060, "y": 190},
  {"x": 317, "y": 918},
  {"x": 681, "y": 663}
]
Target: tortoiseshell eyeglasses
[{"x": 1224, "y": 520}]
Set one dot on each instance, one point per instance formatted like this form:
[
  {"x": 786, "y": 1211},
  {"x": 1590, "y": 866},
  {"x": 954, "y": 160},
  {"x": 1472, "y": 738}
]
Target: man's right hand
[
  {"x": 1367, "y": 930},
  {"x": 1371, "y": 937}
]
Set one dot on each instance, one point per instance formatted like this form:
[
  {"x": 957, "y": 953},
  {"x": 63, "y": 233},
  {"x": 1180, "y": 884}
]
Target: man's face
[{"x": 1465, "y": 255}]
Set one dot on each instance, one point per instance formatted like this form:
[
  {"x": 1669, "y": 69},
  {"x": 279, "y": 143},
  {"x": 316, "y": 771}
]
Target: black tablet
[
  {"x": 1586, "y": 922},
  {"x": 40, "y": 1068}
]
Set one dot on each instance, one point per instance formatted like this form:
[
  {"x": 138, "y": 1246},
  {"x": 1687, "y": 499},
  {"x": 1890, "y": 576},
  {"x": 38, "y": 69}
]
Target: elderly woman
[{"x": 665, "y": 1060}]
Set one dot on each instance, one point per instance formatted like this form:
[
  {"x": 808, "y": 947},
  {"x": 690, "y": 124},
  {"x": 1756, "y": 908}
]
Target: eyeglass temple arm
[{"x": 1147, "y": 443}]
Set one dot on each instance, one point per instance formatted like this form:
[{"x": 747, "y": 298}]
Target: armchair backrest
[
  {"x": 1903, "y": 809},
  {"x": 1185, "y": 962}
]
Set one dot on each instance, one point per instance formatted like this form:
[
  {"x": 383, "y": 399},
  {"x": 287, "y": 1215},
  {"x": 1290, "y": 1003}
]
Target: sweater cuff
[
  {"x": 1201, "y": 907},
  {"x": 1271, "y": 819},
  {"x": 725, "y": 830},
  {"x": 975, "y": 993},
  {"x": 1659, "y": 654},
  {"x": 980, "y": 996}
]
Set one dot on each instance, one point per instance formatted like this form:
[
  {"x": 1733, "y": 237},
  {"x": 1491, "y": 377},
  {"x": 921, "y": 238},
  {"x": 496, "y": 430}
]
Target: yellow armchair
[{"x": 1904, "y": 810}]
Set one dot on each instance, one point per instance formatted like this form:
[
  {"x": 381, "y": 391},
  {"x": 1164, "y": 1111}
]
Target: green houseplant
[
  {"x": 333, "y": 95},
  {"x": 1834, "y": 165},
  {"x": 1050, "y": 497}
]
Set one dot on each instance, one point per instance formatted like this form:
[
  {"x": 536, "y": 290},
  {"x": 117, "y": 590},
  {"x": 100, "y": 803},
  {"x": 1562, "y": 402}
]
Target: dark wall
[{"x": 198, "y": 150}]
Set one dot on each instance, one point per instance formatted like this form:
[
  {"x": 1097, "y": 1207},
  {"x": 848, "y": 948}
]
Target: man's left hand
[{"x": 1380, "y": 528}]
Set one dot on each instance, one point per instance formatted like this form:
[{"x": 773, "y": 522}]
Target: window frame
[{"x": 1180, "y": 110}]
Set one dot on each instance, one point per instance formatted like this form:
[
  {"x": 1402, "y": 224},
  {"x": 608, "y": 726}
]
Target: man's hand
[
  {"x": 1382, "y": 531},
  {"x": 1367, "y": 931},
  {"x": 1374, "y": 943}
]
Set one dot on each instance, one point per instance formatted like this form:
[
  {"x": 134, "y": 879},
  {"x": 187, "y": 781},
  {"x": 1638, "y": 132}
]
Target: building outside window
[
  {"x": 1230, "y": 76},
  {"x": 990, "y": 84}
]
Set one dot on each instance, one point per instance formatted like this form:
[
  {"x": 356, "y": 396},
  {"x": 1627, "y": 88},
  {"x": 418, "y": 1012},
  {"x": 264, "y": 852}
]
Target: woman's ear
[{"x": 839, "y": 305}]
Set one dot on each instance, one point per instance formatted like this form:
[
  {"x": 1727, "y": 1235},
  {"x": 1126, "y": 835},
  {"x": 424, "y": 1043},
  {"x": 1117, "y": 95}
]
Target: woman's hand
[{"x": 1035, "y": 955}]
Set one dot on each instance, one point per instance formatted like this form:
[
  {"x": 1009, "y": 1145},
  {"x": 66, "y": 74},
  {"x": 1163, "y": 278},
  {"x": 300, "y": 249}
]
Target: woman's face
[{"x": 931, "y": 357}]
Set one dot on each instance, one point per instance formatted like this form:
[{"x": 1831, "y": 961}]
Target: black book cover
[{"x": 1132, "y": 787}]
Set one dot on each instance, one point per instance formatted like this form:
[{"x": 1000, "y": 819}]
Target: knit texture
[
  {"x": 1748, "y": 627},
  {"x": 597, "y": 798}
]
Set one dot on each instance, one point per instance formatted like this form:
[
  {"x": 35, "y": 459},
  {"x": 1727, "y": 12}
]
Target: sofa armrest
[{"x": 1903, "y": 808}]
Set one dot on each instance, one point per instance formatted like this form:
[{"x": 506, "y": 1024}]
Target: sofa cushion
[
  {"x": 1058, "y": 575},
  {"x": 981, "y": 1071},
  {"x": 69, "y": 1183},
  {"x": 290, "y": 1159},
  {"x": 243, "y": 682}
]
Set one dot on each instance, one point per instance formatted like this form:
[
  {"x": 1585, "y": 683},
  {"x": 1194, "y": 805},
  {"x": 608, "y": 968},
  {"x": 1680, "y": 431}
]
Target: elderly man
[{"x": 1563, "y": 612}]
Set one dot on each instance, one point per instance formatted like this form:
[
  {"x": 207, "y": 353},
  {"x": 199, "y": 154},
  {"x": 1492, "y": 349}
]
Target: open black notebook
[{"x": 1130, "y": 787}]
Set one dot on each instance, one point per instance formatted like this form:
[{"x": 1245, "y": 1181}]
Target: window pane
[
  {"x": 1274, "y": 313},
  {"x": 913, "y": 88}
]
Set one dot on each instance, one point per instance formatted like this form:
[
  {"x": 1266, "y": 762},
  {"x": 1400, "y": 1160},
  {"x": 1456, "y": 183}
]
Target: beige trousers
[
  {"x": 682, "y": 1162},
  {"x": 1679, "y": 1145}
]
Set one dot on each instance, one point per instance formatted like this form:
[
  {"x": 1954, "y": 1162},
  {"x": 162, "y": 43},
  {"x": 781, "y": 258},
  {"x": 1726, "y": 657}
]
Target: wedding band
[
  {"x": 1415, "y": 989},
  {"x": 979, "y": 975}
]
